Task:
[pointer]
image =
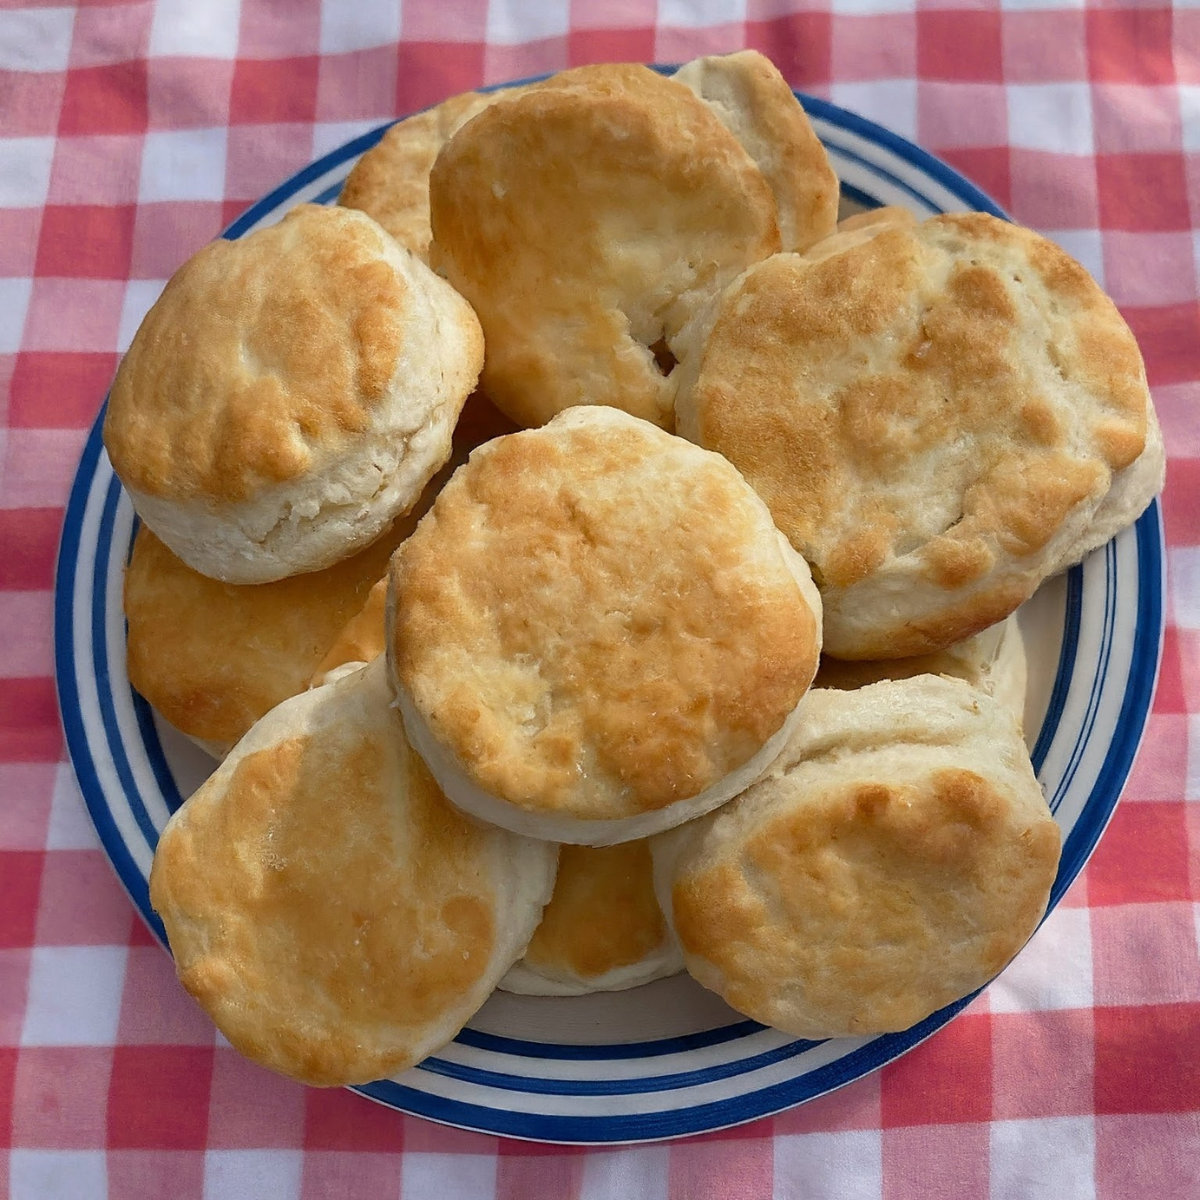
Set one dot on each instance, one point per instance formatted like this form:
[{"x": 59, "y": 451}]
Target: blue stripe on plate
[
  {"x": 500, "y": 1044},
  {"x": 66, "y": 671},
  {"x": 1066, "y": 667},
  {"x": 104, "y": 689},
  {"x": 1098, "y": 680},
  {"x": 615, "y": 1087}
]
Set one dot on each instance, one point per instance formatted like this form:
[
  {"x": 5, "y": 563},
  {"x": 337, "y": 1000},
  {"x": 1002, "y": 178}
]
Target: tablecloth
[{"x": 130, "y": 134}]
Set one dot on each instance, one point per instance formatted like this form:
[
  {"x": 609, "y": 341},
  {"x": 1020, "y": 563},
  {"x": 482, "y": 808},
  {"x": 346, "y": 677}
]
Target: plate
[{"x": 668, "y": 1058}]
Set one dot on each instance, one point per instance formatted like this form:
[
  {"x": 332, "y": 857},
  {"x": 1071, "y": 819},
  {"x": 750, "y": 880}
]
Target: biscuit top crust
[
  {"x": 951, "y": 392},
  {"x": 262, "y": 360},
  {"x": 325, "y": 903},
  {"x": 598, "y": 619},
  {"x": 585, "y": 219},
  {"x": 603, "y": 914},
  {"x": 896, "y": 858},
  {"x": 391, "y": 181}
]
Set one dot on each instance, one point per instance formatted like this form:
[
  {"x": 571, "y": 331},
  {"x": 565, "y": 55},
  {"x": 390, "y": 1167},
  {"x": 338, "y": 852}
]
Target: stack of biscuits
[{"x": 590, "y": 561}]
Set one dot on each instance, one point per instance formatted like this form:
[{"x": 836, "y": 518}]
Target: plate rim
[{"x": 609, "y": 1129}]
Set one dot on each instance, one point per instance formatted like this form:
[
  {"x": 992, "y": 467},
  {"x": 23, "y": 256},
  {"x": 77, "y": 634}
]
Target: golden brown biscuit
[
  {"x": 933, "y": 415},
  {"x": 602, "y": 930},
  {"x": 332, "y": 913},
  {"x": 289, "y": 395},
  {"x": 391, "y": 180},
  {"x": 896, "y": 858},
  {"x": 214, "y": 657},
  {"x": 585, "y": 219},
  {"x": 597, "y": 632}
]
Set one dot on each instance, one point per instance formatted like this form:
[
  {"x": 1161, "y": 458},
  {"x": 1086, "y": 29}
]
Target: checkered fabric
[{"x": 130, "y": 134}]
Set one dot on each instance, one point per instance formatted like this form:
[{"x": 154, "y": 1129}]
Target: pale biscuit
[
  {"x": 894, "y": 860},
  {"x": 597, "y": 632},
  {"x": 934, "y": 416},
  {"x": 602, "y": 930},
  {"x": 391, "y": 181},
  {"x": 753, "y": 101},
  {"x": 289, "y": 395},
  {"x": 589, "y": 217},
  {"x": 332, "y": 913},
  {"x": 992, "y": 661}
]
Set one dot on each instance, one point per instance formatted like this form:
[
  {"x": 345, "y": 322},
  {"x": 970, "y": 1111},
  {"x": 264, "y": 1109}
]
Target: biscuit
[
  {"x": 602, "y": 930},
  {"x": 992, "y": 661},
  {"x": 391, "y": 181},
  {"x": 934, "y": 416},
  {"x": 587, "y": 218},
  {"x": 289, "y": 395},
  {"x": 897, "y": 856},
  {"x": 214, "y": 657},
  {"x": 332, "y": 913},
  {"x": 597, "y": 632}
]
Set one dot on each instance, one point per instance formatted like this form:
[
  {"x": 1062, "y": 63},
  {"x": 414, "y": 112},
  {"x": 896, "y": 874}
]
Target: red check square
[
  {"x": 1181, "y": 503},
  {"x": 29, "y": 732},
  {"x": 428, "y": 72},
  {"x": 81, "y": 241},
  {"x": 158, "y": 1098},
  {"x": 1146, "y": 1059},
  {"x": 1142, "y": 857},
  {"x": 1130, "y": 45},
  {"x": 609, "y": 45},
  {"x": 105, "y": 100},
  {"x": 20, "y": 870},
  {"x": 1146, "y": 192},
  {"x": 962, "y": 46},
  {"x": 800, "y": 45},
  {"x": 1169, "y": 338},
  {"x": 340, "y": 1120},
  {"x": 946, "y": 1080},
  {"x": 52, "y": 390},
  {"x": 274, "y": 90}
]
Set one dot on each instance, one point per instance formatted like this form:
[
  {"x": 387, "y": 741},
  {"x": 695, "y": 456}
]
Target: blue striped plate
[{"x": 669, "y": 1058}]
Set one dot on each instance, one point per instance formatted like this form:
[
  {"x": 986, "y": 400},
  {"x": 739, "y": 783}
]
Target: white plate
[{"x": 668, "y": 1058}]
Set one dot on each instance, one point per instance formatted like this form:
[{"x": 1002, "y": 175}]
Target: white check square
[{"x": 74, "y": 995}]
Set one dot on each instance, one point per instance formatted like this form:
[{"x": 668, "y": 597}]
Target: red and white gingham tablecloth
[{"x": 130, "y": 134}]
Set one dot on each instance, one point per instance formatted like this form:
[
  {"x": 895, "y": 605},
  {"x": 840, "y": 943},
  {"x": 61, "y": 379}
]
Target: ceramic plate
[{"x": 668, "y": 1058}]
